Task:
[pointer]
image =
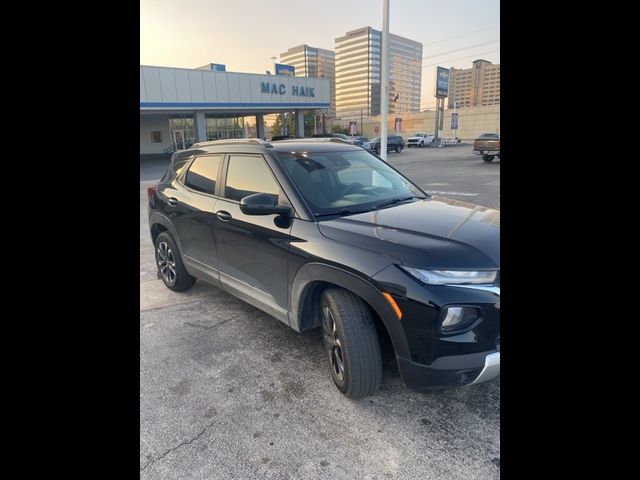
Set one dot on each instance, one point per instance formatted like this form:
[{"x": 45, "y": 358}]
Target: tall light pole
[{"x": 384, "y": 81}]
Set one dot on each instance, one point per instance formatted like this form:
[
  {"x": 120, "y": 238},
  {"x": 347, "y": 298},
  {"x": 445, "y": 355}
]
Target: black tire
[
  {"x": 349, "y": 335},
  {"x": 487, "y": 158},
  {"x": 169, "y": 263},
  {"x": 422, "y": 144},
  {"x": 398, "y": 148},
  {"x": 377, "y": 150}
]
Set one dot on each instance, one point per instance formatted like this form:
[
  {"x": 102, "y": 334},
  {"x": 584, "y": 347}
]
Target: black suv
[
  {"x": 325, "y": 234},
  {"x": 395, "y": 143}
]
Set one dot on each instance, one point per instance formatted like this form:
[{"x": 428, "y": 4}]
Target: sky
[{"x": 245, "y": 34}]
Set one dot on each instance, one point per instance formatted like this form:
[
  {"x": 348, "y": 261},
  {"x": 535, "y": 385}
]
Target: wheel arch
[
  {"x": 158, "y": 223},
  {"x": 313, "y": 278}
]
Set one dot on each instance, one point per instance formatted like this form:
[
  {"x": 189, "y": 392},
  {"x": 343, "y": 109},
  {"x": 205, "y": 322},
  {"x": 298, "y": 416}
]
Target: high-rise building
[
  {"x": 476, "y": 86},
  {"x": 314, "y": 62},
  {"x": 358, "y": 60}
]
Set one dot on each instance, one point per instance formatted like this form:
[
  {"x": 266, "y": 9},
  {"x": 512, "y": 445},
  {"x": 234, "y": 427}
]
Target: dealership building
[{"x": 180, "y": 106}]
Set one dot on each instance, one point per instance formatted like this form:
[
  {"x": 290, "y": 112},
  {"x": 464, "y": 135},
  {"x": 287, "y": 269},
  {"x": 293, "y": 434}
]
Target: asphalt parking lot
[{"x": 228, "y": 392}]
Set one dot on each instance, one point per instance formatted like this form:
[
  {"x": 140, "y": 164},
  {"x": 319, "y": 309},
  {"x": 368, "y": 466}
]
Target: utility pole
[
  {"x": 361, "y": 129},
  {"x": 384, "y": 81}
]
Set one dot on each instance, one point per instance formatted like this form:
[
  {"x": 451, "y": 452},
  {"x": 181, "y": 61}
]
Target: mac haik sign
[{"x": 281, "y": 89}]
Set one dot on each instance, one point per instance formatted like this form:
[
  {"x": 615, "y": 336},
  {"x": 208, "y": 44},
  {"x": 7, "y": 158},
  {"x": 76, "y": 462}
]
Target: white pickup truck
[{"x": 419, "y": 139}]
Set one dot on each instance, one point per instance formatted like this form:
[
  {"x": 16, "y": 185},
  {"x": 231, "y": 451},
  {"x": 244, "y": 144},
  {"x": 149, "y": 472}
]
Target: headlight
[{"x": 453, "y": 277}]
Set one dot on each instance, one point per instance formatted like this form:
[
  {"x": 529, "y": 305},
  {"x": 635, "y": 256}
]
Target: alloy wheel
[
  {"x": 166, "y": 262},
  {"x": 332, "y": 343}
]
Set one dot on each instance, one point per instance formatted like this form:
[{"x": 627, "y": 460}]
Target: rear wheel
[
  {"x": 487, "y": 158},
  {"x": 351, "y": 343},
  {"x": 170, "y": 266},
  {"x": 398, "y": 148}
]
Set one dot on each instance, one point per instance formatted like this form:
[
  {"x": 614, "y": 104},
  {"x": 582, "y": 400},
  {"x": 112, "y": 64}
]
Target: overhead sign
[
  {"x": 442, "y": 82},
  {"x": 218, "y": 67},
  {"x": 289, "y": 70},
  {"x": 281, "y": 89},
  {"x": 454, "y": 121}
]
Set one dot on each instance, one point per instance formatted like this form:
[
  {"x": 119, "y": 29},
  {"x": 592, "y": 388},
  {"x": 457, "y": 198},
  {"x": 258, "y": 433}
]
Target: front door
[
  {"x": 179, "y": 140},
  {"x": 252, "y": 249}
]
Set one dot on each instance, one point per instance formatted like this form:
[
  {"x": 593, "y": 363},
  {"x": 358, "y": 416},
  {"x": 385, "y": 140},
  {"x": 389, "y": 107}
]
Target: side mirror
[{"x": 262, "y": 204}]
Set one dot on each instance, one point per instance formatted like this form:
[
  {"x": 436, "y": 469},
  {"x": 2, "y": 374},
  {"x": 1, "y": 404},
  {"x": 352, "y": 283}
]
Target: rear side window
[
  {"x": 202, "y": 174},
  {"x": 248, "y": 175}
]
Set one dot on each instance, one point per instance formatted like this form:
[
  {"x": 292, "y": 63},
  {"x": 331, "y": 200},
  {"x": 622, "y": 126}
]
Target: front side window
[
  {"x": 345, "y": 182},
  {"x": 247, "y": 175},
  {"x": 203, "y": 173}
]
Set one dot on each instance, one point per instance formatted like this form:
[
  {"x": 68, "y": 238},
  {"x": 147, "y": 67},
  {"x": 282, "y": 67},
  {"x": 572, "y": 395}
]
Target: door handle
[
  {"x": 173, "y": 201},
  {"x": 224, "y": 216}
]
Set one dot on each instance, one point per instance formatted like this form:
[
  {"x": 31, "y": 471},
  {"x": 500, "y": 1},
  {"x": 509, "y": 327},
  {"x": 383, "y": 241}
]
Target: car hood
[{"x": 434, "y": 232}]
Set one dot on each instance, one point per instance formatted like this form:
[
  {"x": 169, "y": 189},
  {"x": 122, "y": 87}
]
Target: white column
[
  {"x": 384, "y": 81},
  {"x": 201, "y": 127}
]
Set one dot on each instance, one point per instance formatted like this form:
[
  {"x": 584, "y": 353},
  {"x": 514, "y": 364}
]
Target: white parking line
[{"x": 463, "y": 194}]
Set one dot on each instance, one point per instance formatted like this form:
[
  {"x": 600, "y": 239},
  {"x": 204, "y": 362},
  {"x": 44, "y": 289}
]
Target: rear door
[
  {"x": 252, "y": 249},
  {"x": 193, "y": 212}
]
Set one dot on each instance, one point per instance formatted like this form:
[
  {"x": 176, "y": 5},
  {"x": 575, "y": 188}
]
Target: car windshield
[{"x": 341, "y": 183}]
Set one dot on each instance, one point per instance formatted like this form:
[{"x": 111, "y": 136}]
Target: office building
[
  {"x": 314, "y": 62},
  {"x": 358, "y": 60},
  {"x": 478, "y": 86}
]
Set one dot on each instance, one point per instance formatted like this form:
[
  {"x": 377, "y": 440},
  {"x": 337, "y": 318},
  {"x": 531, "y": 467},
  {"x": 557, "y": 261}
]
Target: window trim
[
  {"x": 182, "y": 178},
  {"x": 223, "y": 184}
]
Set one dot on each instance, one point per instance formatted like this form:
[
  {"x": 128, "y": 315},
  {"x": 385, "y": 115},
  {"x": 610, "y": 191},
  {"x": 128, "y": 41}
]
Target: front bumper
[
  {"x": 491, "y": 368},
  {"x": 449, "y": 372}
]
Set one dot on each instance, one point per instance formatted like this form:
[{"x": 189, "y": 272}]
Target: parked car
[
  {"x": 420, "y": 139},
  {"x": 360, "y": 141},
  {"x": 395, "y": 143},
  {"x": 487, "y": 145},
  {"x": 331, "y": 135},
  {"x": 326, "y": 235}
]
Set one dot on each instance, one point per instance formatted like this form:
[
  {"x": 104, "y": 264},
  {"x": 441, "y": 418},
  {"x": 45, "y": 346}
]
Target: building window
[{"x": 156, "y": 136}]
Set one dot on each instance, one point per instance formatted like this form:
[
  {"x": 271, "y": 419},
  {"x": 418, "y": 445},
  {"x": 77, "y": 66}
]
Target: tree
[
  {"x": 277, "y": 129},
  {"x": 337, "y": 128}
]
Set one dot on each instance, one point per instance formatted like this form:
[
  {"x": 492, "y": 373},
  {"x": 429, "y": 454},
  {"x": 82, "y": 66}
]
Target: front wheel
[
  {"x": 351, "y": 343},
  {"x": 487, "y": 158},
  {"x": 398, "y": 148},
  {"x": 422, "y": 144}
]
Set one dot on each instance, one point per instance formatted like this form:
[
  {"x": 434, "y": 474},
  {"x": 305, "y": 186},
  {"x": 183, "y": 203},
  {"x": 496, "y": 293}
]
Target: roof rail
[
  {"x": 317, "y": 139},
  {"x": 234, "y": 141}
]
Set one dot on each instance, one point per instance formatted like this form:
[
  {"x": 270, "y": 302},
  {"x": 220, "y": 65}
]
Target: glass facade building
[
  {"x": 314, "y": 62},
  {"x": 358, "y": 60}
]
